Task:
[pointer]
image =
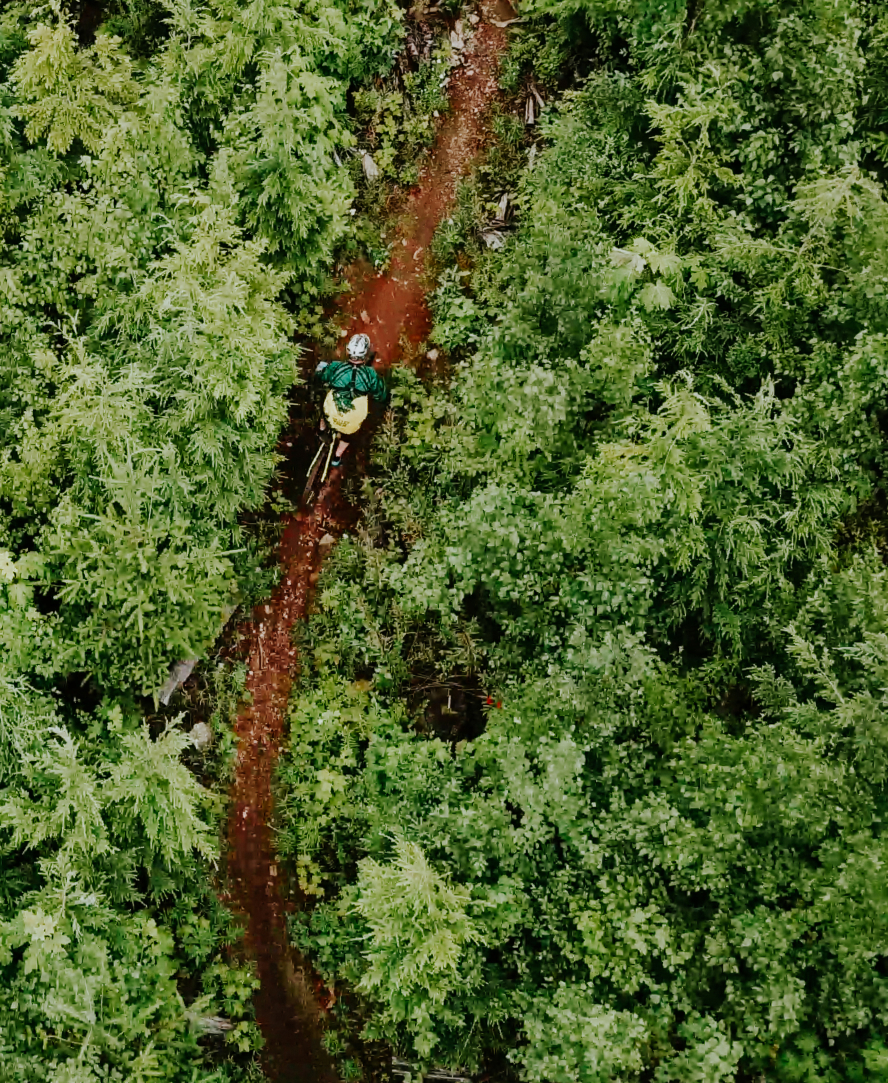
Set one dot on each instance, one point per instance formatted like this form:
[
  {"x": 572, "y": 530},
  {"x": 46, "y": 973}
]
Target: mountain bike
[{"x": 319, "y": 470}]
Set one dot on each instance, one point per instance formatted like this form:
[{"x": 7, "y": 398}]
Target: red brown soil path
[
  {"x": 387, "y": 307},
  {"x": 394, "y": 304}
]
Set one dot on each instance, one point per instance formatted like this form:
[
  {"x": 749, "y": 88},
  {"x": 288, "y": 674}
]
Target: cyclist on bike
[{"x": 352, "y": 384}]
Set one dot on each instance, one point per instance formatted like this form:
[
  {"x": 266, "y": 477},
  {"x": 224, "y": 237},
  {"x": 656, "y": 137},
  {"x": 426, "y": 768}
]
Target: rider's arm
[{"x": 378, "y": 390}]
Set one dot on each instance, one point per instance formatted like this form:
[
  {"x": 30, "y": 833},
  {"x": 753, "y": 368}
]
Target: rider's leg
[{"x": 341, "y": 449}]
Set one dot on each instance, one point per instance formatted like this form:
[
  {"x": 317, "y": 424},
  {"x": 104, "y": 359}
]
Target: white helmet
[{"x": 358, "y": 349}]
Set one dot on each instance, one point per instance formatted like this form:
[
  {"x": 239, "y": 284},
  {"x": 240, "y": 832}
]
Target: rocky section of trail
[{"x": 389, "y": 307}]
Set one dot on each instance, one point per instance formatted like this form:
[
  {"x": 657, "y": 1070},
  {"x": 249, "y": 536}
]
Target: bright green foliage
[
  {"x": 647, "y": 517},
  {"x": 146, "y": 351},
  {"x": 67, "y": 93},
  {"x": 168, "y": 193},
  {"x": 89, "y": 986},
  {"x": 419, "y": 933}
]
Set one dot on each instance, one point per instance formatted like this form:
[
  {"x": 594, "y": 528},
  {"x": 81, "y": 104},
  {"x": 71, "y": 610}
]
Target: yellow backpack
[{"x": 346, "y": 421}]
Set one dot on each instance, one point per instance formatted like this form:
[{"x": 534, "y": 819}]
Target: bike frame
[{"x": 328, "y": 443}]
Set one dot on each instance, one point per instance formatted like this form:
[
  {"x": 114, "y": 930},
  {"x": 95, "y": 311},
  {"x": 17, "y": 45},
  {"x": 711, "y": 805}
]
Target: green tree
[
  {"x": 644, "y": 527},
  {"x": 168, "y": 196}
]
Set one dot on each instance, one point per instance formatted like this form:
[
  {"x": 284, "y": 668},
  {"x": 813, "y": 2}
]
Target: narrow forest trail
[{"x": 389, "y": 308}]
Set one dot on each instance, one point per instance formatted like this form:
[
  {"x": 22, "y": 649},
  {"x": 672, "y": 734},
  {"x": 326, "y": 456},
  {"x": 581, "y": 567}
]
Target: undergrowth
[{"x": 638, "y": 532}]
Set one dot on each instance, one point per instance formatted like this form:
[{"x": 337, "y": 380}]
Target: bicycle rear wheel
[{"x": 317, "y": 463}]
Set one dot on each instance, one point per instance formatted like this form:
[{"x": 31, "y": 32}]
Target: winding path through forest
[{"x": 290, "y": 1004}]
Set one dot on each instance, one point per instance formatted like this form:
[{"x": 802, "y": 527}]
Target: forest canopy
[
  {"x": 588, "y": 753},
  {"x": 636, "y": 549},
  {"x": 169, "y": 202}
]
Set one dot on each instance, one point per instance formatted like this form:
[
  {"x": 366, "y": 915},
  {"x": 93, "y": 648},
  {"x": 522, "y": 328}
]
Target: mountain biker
[{"x": 352, "y": 384}]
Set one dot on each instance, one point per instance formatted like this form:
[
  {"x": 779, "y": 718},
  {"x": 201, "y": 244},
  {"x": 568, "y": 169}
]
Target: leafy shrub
[
  {"x": 634, "y": 520},
  {"x": 456, "y": 314},
  {"x": 399, "y": 118},
  {"x": 168, "y": 196}
]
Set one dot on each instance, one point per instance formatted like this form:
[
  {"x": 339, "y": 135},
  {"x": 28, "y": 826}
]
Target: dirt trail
[{"x": 388, "y": 307}]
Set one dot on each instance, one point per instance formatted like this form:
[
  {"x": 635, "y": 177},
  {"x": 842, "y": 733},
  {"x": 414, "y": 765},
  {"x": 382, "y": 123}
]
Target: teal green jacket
[{"x": 348, "y": 382}]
